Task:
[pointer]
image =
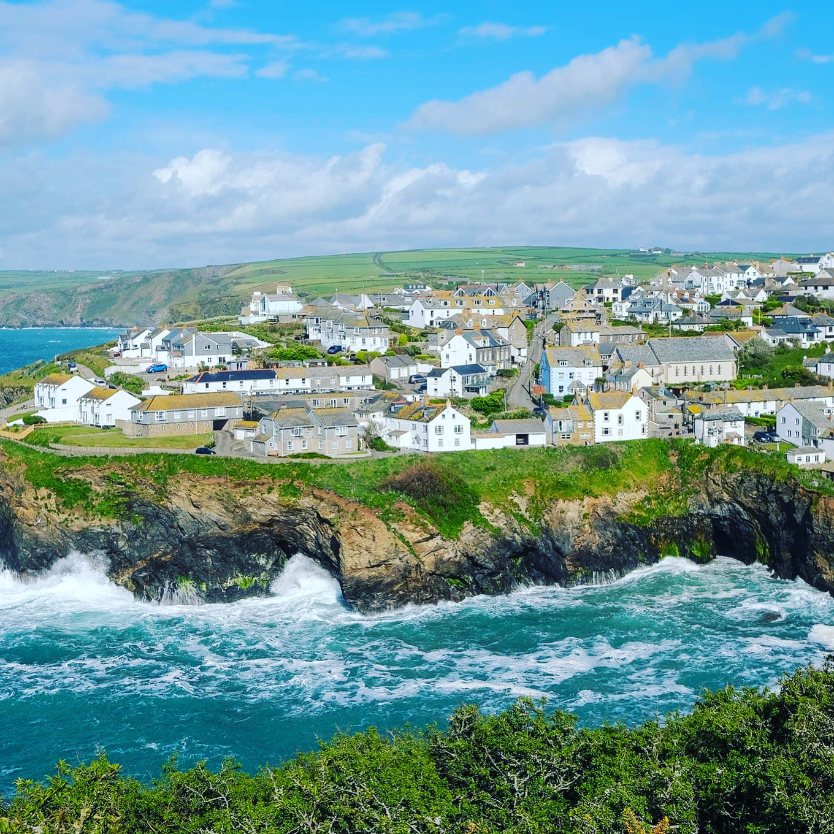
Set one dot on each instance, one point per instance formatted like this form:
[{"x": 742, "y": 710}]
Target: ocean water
[
  {"x": 85, "y": 667},
  {"x": 20, "y": 347}
]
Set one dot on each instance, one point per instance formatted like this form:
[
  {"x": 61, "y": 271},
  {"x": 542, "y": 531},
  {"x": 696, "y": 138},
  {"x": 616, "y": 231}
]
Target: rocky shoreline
[{"x": 216, "y": 543}]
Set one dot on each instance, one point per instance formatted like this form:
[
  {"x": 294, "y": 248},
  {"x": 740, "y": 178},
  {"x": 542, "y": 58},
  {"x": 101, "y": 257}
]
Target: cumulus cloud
[
  {"x": 807, "y": 55},
  {"x": 222, "y": 207},
  {"x": 500, "y": 31},
  {"x": 309, "y": 75},
  {"x": 571, "y": 91},
  {"x": 776, "y": 99}
]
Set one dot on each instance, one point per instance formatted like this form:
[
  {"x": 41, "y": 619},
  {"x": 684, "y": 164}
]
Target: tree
[
  {"x": 755, "y": 355},
  {"x": 293, "y": 353}
]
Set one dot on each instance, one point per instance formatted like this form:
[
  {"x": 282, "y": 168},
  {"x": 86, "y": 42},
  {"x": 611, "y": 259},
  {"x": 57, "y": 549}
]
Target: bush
[
  {"x": 442, "y": 494},
  {"x": 293, "y": 353},
  {"x": 130, "y": 383},
  {"x": 33, "y": 420},
  {"x": 379, "y": 445},
  {"x": 490, "y": 404}
]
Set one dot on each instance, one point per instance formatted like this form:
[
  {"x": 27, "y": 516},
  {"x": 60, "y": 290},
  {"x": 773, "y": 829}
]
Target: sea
[
  {"x": 21, "y": 347},
  {"x": 85, "y": 667}
]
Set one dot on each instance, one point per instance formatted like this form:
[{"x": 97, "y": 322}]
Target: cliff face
[{"x": 211, "y": 542}]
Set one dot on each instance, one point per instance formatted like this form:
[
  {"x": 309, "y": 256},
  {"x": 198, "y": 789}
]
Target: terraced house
[
  {"x": 328, "y": 431},
  {"x": 351, "y": 331},
  {"x": 181, "y": 414},
  {"x": 476, "y": 347},
  {"x": 423, "y": 427},
  {"x": 104, "y": 407},
  {"x": 570, "y": 370}
]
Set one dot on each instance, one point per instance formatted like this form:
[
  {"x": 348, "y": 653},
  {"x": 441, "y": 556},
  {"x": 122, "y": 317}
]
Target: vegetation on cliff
[
  {"x": 743, "y": 761},
  {"x": 461, "y": 483}
]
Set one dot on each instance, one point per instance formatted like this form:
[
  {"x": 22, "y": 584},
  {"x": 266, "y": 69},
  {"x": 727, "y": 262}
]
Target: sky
[{"x": 153, "y": 134}]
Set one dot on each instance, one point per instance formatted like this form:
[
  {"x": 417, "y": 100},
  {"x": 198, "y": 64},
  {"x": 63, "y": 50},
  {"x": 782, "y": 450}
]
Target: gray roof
[
  {"x": 814, "y": 412},
  {"x": 732, "y": 415},
  {"x": 636, "y": 354},
  {"x": 693, "y": 349},
  {"x": 330, "y": 417},
  {"x": 519, "y": 426}
]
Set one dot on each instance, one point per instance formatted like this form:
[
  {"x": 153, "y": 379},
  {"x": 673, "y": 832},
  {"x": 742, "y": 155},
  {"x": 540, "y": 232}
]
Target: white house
[
  {"x": 825, "y": 366},
  {"x": 564, "y": 369},
  {"x": 821, "y": 285},
  {"x": 714, "y": 428},
  {"x": 240, "y": 382},
  {"x": 458, "y": 381},
  {"x": 351, "y": 331},
  {"x": 427, "y": 428},
  {"x": 103, "y": 406},
  {"x": 804, "y": 423},
  {"x": 196, "y": 350},
  {"x": 618, "y": 415},
  {"x": 130, "y": 344},
  {"x": 429, "y": 312},
  {"x": 476, "y": 347},
  {"x": 267, "y": 306},
  {"x": 57, "y": 395}
]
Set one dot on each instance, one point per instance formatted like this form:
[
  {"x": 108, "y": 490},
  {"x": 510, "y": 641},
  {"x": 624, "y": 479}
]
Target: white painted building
[
  {"x": 57, "y": 396},
  {"x": 271, "y": 307},
  {"x": 561, "y": 368},
  {"x": 350, "y": 331},
  {"x": 618, "y": 415},
  {"x": 804, "y": 423},
  {"x": 806, "y": 456},
  {"x": 102, "y": 407},
  {"x": 458, "y": 381},
  {"x": 428, "y": 428},
  {"x": 481, "y": 347},
  {"x": 715, "y": 428}
]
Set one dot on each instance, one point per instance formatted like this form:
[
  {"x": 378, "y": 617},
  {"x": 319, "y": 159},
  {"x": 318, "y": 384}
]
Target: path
[{"x": 519, "y": 395}]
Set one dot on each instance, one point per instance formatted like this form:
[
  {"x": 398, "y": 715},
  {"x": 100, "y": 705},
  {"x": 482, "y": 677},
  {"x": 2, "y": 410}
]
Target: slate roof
[
  {"x": 693, "y": 349},
  {"x": 292, "y": 418},
  {"x": 528, "y": 426},
  {"x": 728, "y": 416},
  {"x": 330, "y": 417},
  {"x": 579, "y": 356},
  {"x": 232, "y": 376}
]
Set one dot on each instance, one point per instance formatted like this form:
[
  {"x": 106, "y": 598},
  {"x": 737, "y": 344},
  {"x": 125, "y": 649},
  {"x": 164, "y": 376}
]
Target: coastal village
[{"x": 454, "y": 366}]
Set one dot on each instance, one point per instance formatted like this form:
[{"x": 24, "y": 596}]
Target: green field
[
  {"x": 165, "y": 296},
  {"x": 112, "y": 438}
]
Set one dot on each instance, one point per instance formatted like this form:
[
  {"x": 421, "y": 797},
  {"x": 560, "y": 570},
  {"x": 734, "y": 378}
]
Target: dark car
[
  {"x": 422, "y": 388},
  {"x": 204, "y": 450},
  {"x": 417, "y": 379},
  {"x": 352, "y": 357},
  {"x": 334, "y": 349},
  {"x": 539, "y": 411},
  {"x": 765, "y": 437}
]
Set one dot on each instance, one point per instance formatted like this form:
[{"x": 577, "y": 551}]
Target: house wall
[
  {"x": 59, "y": 403},
  {"x": 627, "y": 423},
  {"x": 678, "y": 373}
]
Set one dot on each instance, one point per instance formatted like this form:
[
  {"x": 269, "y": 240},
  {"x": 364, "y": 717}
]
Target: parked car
[
  {"x": 157, "y": 369},
  {"x": 539, "y": 411},
  {"x": 204, "y": 450},
  {"x": 99, "y": 381},
  {"x": 72, "y": 366},
  {"x": 765, "y": 437},
  {"x": 352, "y": 357},
  {"x": 334, "y": 349},
  {"x": 421, "y": 389},
  {"x": 417, "y": 379}
]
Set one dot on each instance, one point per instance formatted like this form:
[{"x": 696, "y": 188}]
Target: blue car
[
  {"x": 334, "y": 349},
  {"x": 157, "y": 369}
]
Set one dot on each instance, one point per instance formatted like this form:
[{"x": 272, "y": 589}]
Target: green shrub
[{"x": 33, "y": 420}]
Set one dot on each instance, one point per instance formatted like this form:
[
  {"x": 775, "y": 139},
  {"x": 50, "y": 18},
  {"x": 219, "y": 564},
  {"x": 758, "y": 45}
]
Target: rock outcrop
[{"x": 212, "y": 541}]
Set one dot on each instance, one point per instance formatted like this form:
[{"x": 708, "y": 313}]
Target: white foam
[
  {"x": 302, "y": 578},
  {"x": 823, "y": 635}
]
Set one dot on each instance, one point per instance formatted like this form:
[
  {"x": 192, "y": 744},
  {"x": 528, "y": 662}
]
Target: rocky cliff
[{"x": 212, "y": 539}]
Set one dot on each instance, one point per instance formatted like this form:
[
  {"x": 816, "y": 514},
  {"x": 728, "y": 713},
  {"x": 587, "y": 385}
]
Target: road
[{"x": 518, "y": 394}]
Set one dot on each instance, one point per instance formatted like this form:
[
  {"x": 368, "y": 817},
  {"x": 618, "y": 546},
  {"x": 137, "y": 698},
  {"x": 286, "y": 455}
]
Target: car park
[
  {"x": 334, "y": 349},
  {"x": 204, "y": 450},
  {"x": 157, "y": 369}
]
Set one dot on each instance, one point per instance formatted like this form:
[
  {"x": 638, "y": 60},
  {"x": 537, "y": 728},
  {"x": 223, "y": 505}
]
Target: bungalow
[
  {"x": 182, "y": 414},
  {"x": 714, "y": 428},
  {"x": 806, "y": 456},
  {"x": 428, "y": 428},
  {"x": 508, "y": 434},
  {"x": 618, "y": 415},
  {"x": 57, "y": 396},
  {"x": 103, "y": 407},
  {"x": 458, "y": 381},
  {"x": 561, "y": 368}
]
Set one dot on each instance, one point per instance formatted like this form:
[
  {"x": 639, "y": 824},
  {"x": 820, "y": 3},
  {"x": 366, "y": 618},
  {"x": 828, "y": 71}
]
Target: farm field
[{"x": 164, "y": 296}]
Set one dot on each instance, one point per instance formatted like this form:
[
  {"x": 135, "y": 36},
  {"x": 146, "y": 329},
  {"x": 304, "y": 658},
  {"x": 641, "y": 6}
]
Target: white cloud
[
  {"x": 500, "y": 31},
  {"x": 223, "y": 207},
  {"x": 31, "y": 109},
  {"x": 277, "y": 69},
  {"x": 776, "y": 99},
  {"x": 570, "y": 91},
  {"x": 362, "y": 53},
  {"x": 309, "y": 75},
  {"x": 807, "y": 55},
  {"x": 525, "y": 101},
  {"x": 397, "y": 22}
]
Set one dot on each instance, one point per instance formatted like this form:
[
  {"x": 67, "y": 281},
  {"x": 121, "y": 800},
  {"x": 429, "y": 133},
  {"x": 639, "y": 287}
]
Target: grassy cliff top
[{"x": 449, "y": 489}]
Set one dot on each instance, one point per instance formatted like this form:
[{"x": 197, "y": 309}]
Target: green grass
[{"x": 104, "y": 438}]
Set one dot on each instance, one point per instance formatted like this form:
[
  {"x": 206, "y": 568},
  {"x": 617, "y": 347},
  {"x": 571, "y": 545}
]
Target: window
[
  {"x": 204, "y": 414},
  {"x": 220, "y": 411},
  {"x": 440, "y": 443},
  {"x": 565, "y": 437},
  {"x": 458, "y": 429},
  {"x": 303, "y": 444},
  {"x": 457, "y": 441},
  {"x": 605, "y": 416},
  {"x": 192, "y": 415},
  {"x": 619, "y": 419},
  {"x": 341, "y": 431},
  {"x": 677, "y": 370},
  {"x": 160, "y": 416},
  {"x": 289, "y": 445},
  {"x": 606, "y": 431},
  {"x": 297, "y": 431},
  {"x": 637, "y": 416},
  {"x": 438, "y": 429},
  {"x": 334, "y": 445}
]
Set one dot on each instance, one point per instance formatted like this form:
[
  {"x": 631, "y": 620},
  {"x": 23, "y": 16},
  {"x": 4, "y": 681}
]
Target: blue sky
[{"x": 148, "y": 134}]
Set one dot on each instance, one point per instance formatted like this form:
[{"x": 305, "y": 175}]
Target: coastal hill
[{"x": 119, "y": 298}]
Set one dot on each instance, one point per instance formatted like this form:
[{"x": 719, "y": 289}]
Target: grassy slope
[
  {"x": 92, "y": 437},
  {"x": 540, "y": 475},
  {"x": 28, "y": 298}
]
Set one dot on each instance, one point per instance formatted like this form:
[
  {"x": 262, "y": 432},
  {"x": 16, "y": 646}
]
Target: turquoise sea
[
  {"x": 20, "y": 347},
  {"x": 85, "y": 667}
]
